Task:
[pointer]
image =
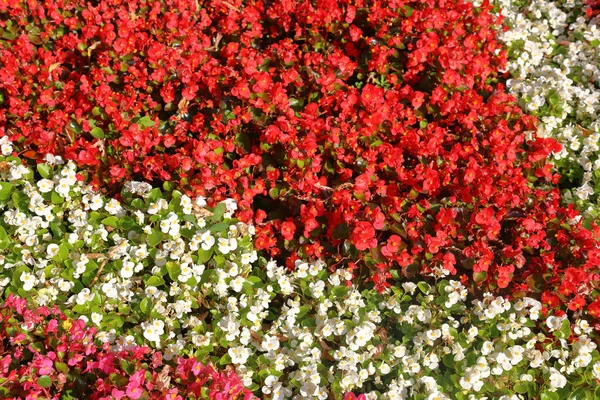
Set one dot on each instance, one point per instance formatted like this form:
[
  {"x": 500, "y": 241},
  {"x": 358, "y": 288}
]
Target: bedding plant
[
  {"x": 554, "y": 71},
  {"x": 296, "y": 199},
  {"x": 164, "y": 277}
]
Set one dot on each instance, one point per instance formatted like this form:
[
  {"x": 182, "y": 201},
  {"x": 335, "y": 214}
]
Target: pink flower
[
  {"x": 117, "y": 394},
  {"x": 134, "y": 391},
  {"x": 46, "y": 367}
]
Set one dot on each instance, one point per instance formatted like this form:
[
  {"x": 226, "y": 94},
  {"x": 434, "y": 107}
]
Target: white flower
[
  {"x": 7, "y": 149},
  {"x": 96, "y": 318},
  {"x": 596, "y": 370},
  {"x": 237, "y": 283},
  {"x": 553, "y": 323},
  {"x": 52, "y": 250},
  {"x": 45, "y": 185},
  {"x": 471, "y": 379},
  {"x": 238, "y": 354},
  {"x": 557, "y": 380},
  {"x": 28, "y": 280},
  {"x": 384, "y": 368},
  {"x": 270, "y": 343},
  {"x": 127, "y": 270},
  {"x": 150, "y": 333},
  {"x": 84, "y": 296}
]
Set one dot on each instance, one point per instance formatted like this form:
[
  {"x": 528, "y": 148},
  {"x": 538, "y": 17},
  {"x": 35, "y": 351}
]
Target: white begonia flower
[
  {"x": 200, "y": 201},
  {"x": 29, "y": 281},
  {"x": 384, "y": 368},
  {"x": 127, "y": 270},
  {"x": 471, "y": 379},
  {"x": 208, "y": 241},
  {"x": 45, "y": 185},
  {"x": 554, "y": 322},
  {"x": 557, "y": 380},
  {"x": 110, "y": 290},
  {"x": 96, "y": 318},
  {"x": 270, "y": 343},
  {"x": 239, "y": 354},
  {"x": 237, "y": 283},
  {"x": 7, "y": 149},
  {"x": 113, "y": 207},
  {"x": 596, "y": 370},
  {"x": 52, "y": 250},
  {"x": 84, "y": 296},
  {"x": 246, "y": 258},
  {"x": 150, "y": 332}
]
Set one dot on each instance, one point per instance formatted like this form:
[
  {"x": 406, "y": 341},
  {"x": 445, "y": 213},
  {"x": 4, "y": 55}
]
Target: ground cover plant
[
  {"x": 554, "y": 70},
  {"x": 390, "y": 150},
  {"x": 305, "y": 199},
  {"x": 169, "y": 278}
]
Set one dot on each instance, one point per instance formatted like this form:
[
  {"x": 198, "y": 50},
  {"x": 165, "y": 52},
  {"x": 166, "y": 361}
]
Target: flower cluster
[
  {"x": 308, "y": 334},
  {"x": 372, "y": 135},
  {"x": 554, "y": 58},
  {"x": 162, "y": 270},
  {"x": 44, "y": 354},
  {"x": 140, "y": 266}
]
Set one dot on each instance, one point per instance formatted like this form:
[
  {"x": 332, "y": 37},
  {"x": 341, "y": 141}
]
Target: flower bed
[
  {"x": 554, "y": 69},
  {"x": 337, "y": 202}
]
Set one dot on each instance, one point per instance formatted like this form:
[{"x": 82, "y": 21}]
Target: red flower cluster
[
  {"x": 44, "y": 354},
  {"x": 378, "y": 128}
]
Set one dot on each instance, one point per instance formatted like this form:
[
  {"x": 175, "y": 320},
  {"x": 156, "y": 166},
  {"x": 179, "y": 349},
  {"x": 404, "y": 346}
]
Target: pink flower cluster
[{"x": 45, "y": 354}]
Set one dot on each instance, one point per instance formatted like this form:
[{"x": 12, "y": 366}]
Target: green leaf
[
  {"x": 340, "y": 231},
  {"x": 126, "y": 223},
  {"x": 424, "y": 287},
  {"x": 5, "y": 190},
  {"x": 154, "y": 195},
  {"x": 302, "y": 312},
  {"x": 155, "y": 238},
  {"x": 44, "y": 381},
  {"x": 174, "y": 270},
  {"x": 111, "y": 221},
  {"x": 97, "y": 132},
  {"x": 547, "y": 395},
  {"x": 480, "y": 276},
  {"x": 274, "y": 193},
  {"x": 220, "y": 227},
  {"x": 340, "y": 291},
  {"x": 4, "y": 239},
  {"x": 45, "y": 170},
  {"x": 61, "y": 367},
  {"x": 204, "y": 255},
  {"x": 253, "y": 280},
  {"x": 155, "y": 281},
  {"x": 57, "y": 198},
  {"x": 225, "y": 360},
  {"x": 145, "y": 122},
  {"x": 146, "y": 305},
  {"x": 63, "y": 252},
  {"x": 521, "y": 387},
  {"x": 218, "y": 212}
]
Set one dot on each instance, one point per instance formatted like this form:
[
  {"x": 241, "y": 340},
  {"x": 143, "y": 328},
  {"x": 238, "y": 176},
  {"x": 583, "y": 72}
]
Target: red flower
[
  {"x": 594, "y": 308},
  {"x": 363, "y": 236},
  {"x": 288, "y": 229}
]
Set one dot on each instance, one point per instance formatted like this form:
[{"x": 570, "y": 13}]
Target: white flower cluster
[
  {"x": 555, "y": 69},
  {"x": 62, "y": 243}
]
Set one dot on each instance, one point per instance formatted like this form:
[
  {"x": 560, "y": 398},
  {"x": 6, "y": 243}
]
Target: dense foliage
[
  {"x": 299, "y": 199},
  {"x": 554, "y": 74},
  {"x": 45, "y": 355},
  {"x": 377, "y": 130}
]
